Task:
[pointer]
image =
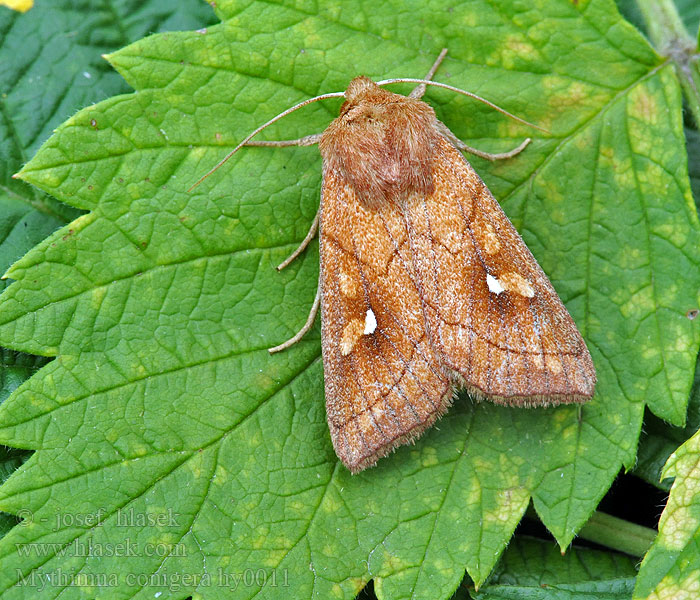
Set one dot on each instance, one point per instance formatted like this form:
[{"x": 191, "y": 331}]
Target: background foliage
[{"x": 159, "y": 305}]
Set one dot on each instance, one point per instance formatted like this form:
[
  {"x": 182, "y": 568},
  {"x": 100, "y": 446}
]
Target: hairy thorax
[{"x": 382, "y": 144}]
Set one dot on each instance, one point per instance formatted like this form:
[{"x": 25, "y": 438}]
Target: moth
[{"x": 425, "y": 285}]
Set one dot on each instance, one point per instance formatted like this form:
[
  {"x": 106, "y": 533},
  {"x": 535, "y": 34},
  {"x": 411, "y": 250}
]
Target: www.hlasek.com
[
  {"x": 87, "y": 547},
  {"x": 173, "y": 582}
]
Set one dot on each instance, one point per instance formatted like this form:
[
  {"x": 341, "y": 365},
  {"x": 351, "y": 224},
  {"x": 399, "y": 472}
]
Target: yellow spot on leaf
[
  {"x": 571, "y": 95},
  {"x": 518, "y": 46},
  {"x": 643, "y": 105},
  {"x": 332, "y": 504},
  {"x": 676, "y": 524},
  {"x": 686, "y": 589},
  {"x": 392, "y": 563},
  {"x": 97, "y": 296},
  {"x": 429, "y": 457},
  {"x": 221, "y": 475}
]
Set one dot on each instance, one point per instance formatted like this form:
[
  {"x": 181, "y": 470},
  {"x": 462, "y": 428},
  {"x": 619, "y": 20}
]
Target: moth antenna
[
  {"x": 465, "y": 93},
  {"x": 259, "y": 129}
]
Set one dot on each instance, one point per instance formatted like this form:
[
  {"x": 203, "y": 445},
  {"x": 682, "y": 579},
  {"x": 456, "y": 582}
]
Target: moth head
[
  {"x": 367, "y": 102},
  {"x": 360, "y": 86},
  {"x": 381, "y": 143}
]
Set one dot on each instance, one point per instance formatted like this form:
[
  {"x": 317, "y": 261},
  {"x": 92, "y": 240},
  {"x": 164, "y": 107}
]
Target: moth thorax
[{"x": 382, "y": 144}]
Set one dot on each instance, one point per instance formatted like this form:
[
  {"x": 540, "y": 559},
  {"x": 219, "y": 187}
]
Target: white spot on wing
[
  {"x": 495, "y": 286},
  {"x": 370, "y": 322}
]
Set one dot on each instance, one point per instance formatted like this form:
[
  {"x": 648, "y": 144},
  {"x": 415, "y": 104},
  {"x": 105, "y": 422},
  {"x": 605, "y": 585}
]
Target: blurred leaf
[
  {"x": 10, "y": 460},
  {"x": 535, "y": 570},
  {"x": 693, "y": 141},
  {"x": 689, "y": 11},
  {"x": 21, "y": 227},
  {"x": 57, "y": 48}
]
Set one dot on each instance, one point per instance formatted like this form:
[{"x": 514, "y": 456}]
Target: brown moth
[{"x": 425, "y": 285}]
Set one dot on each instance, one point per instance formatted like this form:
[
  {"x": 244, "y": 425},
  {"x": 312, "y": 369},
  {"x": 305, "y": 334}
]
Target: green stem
[
  {"x": 613, "y": 532},
  {"x": 669, "y": 35},
  {"x": 617, "y": 534}
]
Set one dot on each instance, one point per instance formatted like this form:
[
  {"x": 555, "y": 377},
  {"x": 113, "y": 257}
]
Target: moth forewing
[{"x": 499, "y": 324}]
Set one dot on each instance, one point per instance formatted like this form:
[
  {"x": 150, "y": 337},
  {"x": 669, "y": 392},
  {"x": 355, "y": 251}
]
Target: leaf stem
[
  {"x": 618, "y": 534},
  {"x": 669, "y": 35},
  {"x": 612, "y": 532}
]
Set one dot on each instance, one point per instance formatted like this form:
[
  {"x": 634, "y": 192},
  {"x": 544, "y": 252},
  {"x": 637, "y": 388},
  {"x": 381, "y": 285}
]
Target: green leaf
[
  {"x": 56, "y": 47},
  {"x": 659, "y": 440},
  {"x": 160, "y": 305},
  {"x": 689, "y": 11},
  {"x": 21, "y": 227},
  {"x": 535, "y": 570},
  {"x": 10, "y": 460},
  {"x": 671, "y": 568},
  {"x": 667, "y": 31}
]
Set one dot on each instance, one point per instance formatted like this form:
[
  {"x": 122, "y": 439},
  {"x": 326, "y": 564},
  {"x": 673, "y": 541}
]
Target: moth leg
[
  {"x": 487, "y": 155},
  {"x": 307, "y": 140},
  {"x": 419, "y": 90},
  {"x": 305, "y": 329},
  {"x": 304, "y": 243},
  {"x": 496, "y": 156}
]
